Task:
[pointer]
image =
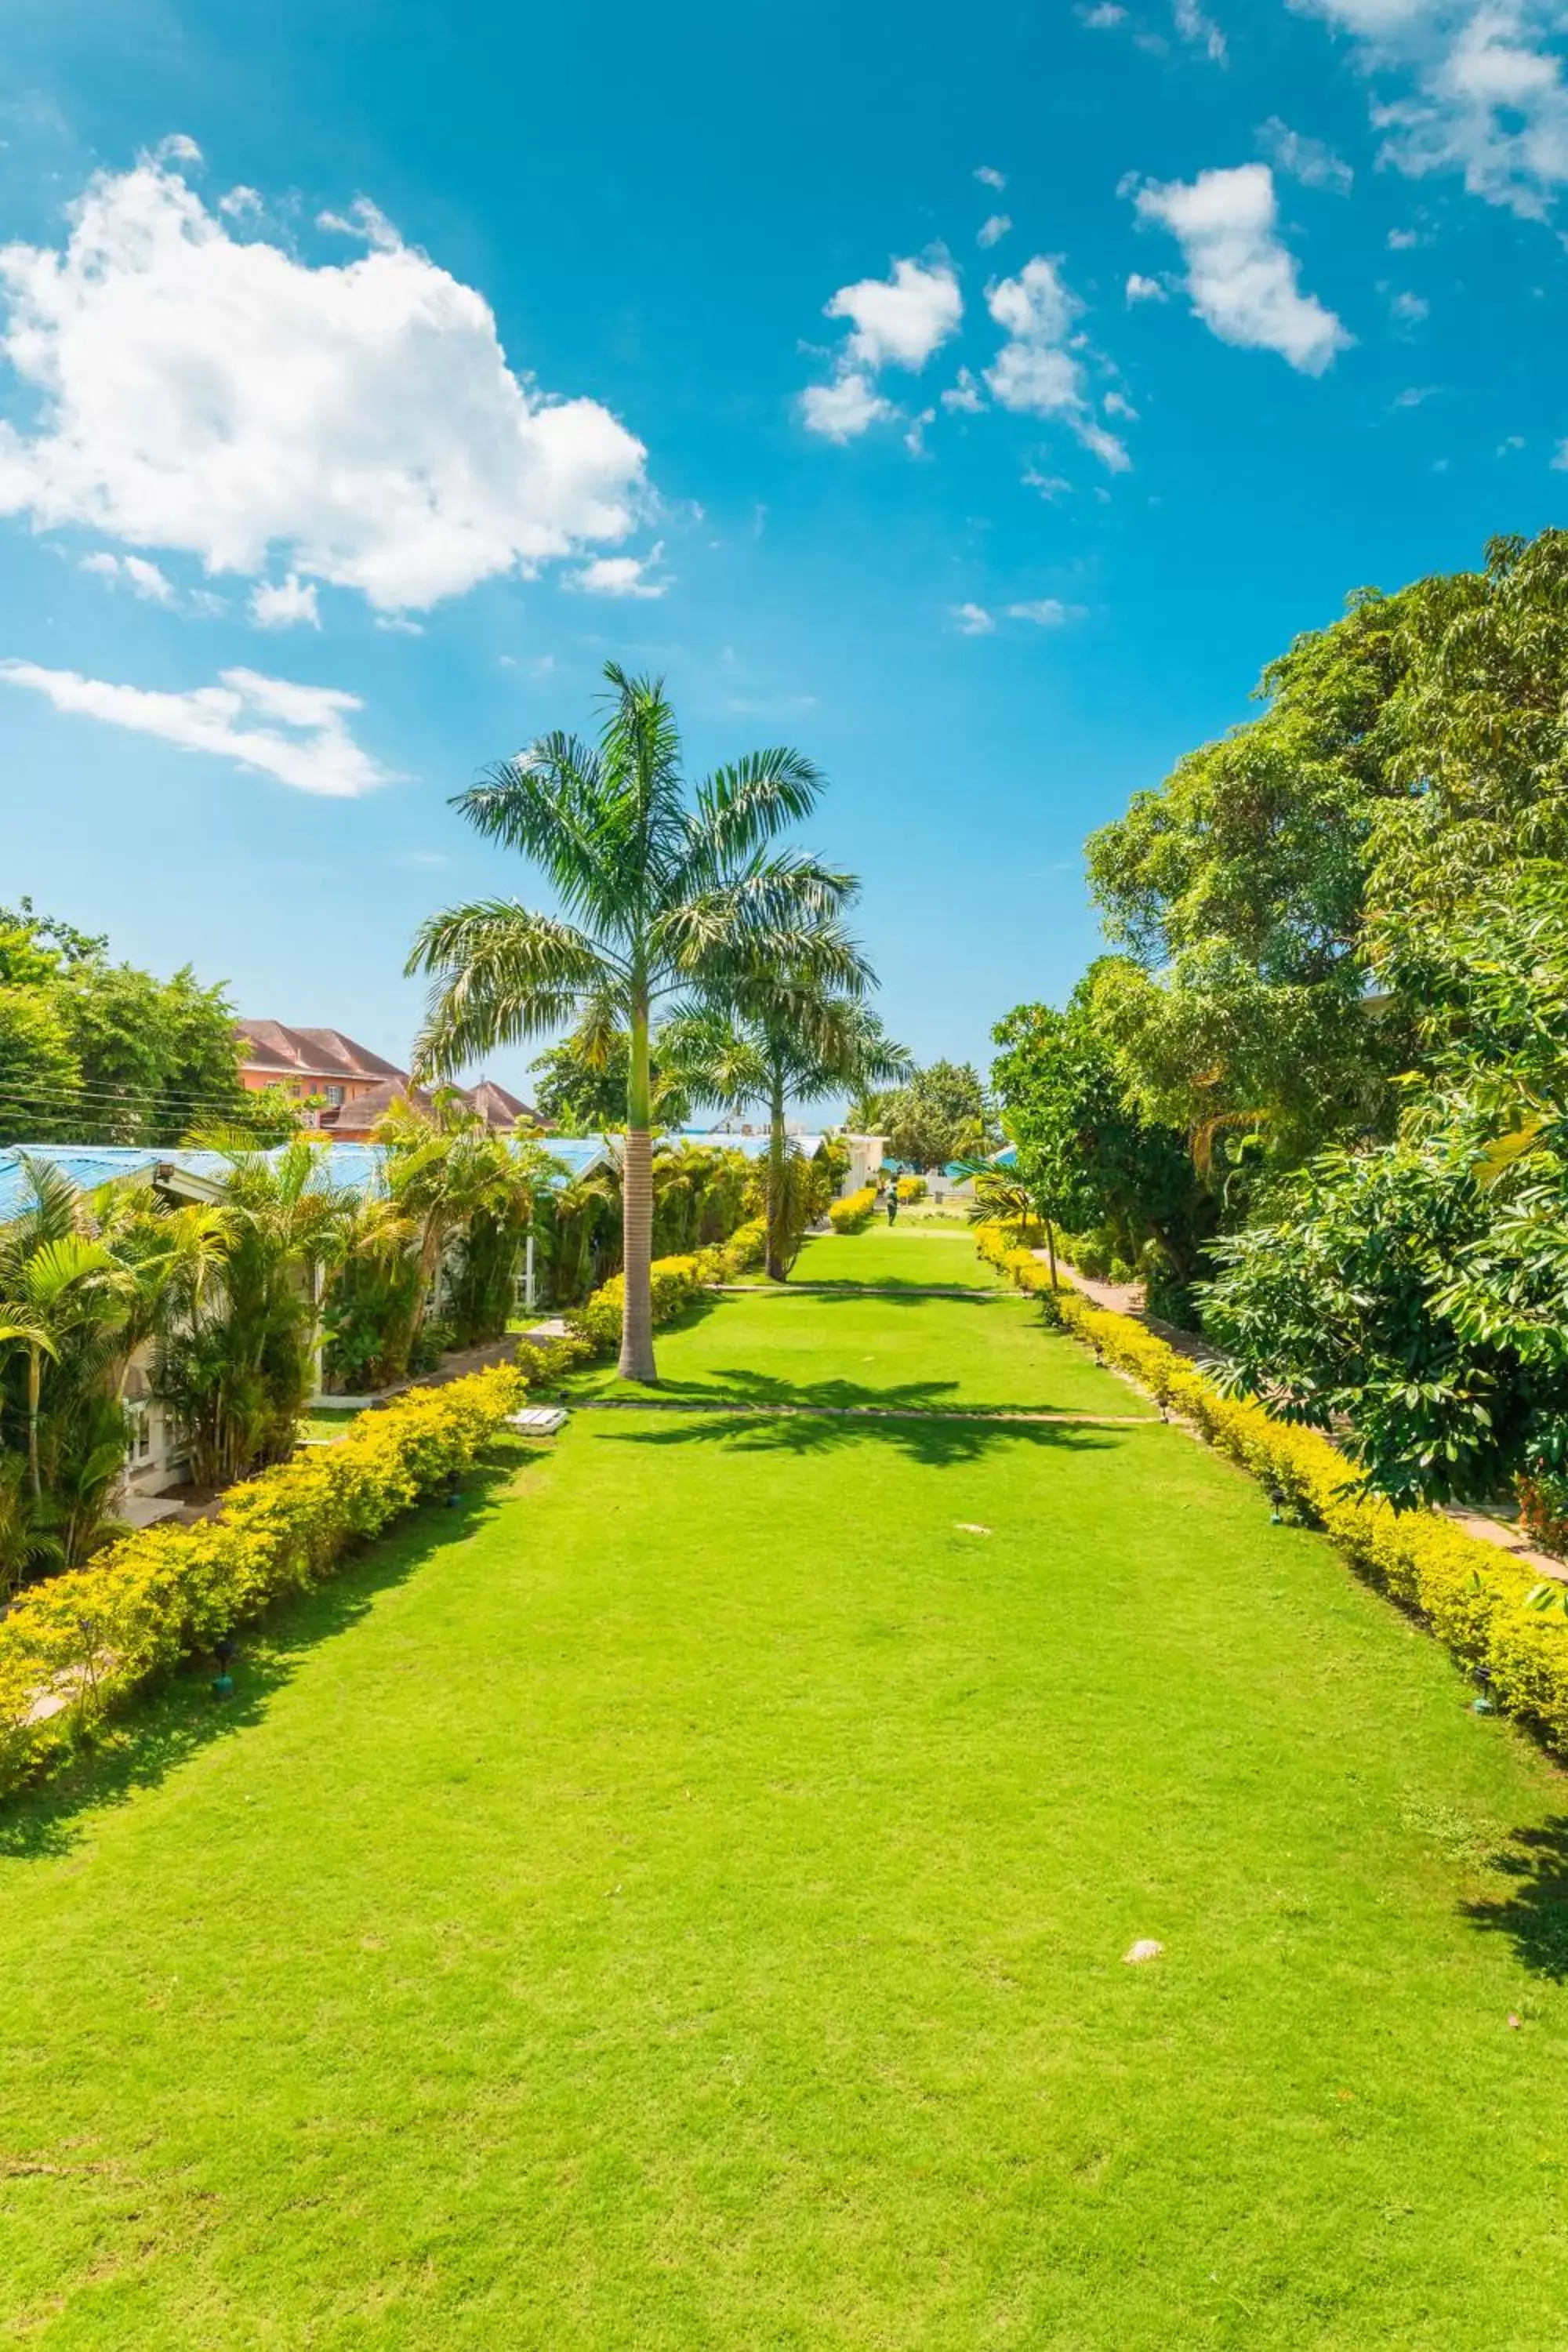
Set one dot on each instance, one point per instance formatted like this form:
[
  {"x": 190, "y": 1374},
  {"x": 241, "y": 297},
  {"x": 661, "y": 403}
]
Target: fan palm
[
  {"x": 797, "y": 1039},
  {"x": 668, "y": 892}
]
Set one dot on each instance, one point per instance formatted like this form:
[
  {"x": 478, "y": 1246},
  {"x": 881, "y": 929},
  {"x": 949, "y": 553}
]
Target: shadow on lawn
[
  {"x": 1534, "y": 1914},
  {"x": 739, "y": 1385},
  {"x": 941, "y": 1444},
  {"x": 179, "y": 1717}
]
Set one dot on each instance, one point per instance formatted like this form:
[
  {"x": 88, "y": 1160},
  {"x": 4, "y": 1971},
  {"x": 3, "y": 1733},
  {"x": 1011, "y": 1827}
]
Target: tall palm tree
[
  {"x": 668, "y": 892},
  {"x": 793, "y": 1041}
]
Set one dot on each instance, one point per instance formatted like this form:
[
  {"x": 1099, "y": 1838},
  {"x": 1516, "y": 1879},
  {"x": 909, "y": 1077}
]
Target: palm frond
[
  {"x": 741, "y": 807},
  {"x": 503, "y": 974}
]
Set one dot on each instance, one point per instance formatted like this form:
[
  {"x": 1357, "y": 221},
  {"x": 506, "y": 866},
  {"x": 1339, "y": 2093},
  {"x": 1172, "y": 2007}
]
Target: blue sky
[{"x": 977, "y": 401}]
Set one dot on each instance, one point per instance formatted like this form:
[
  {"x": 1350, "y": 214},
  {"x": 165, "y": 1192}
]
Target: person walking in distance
[{"x": 892, "y": 1204}]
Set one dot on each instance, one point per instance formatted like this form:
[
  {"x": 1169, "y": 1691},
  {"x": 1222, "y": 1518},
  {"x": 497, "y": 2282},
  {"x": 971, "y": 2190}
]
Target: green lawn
[
  {"x": 904, "y": 1258},
  {"x": 847, "y": 1349},
  {"x": 679, "y": 1900}
]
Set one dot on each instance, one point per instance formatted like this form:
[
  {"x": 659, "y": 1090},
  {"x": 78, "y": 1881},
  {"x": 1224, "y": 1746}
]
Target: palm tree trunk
[
  {"x": 1052, "y": 1252},
  {"x": 777, "y": 1270},
  {"x": 34, "y": 1382},
  {"x": 637, "y": 1209}
]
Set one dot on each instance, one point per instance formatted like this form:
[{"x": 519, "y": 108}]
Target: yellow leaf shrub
[
  {"x": 854, "y": 1213},
  {"x": 677, "y": 1282},
  {"x": 1471, "y": 1594},
  {"x": 98, "y": 1634}
]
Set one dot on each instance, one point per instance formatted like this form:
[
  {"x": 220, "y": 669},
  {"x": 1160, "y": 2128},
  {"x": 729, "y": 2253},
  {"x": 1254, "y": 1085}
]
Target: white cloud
[
  {"x": 621, "y": 575},
  {"x": 1145, "y": 290},
  {"x": 1118, "y": 404},
  {"x": 224, "y": 399},
  {"x": 965, "y": 395},
  {"x": 241, "y": 203},
  {"x": 900, "y": 319},
  {"x": 915, "y": 438},
  {"x": 1481, "y": 90},
  {"x": 398, "y": 624},
  {"x": 1038, "y": 371},
  {"x": 973, "y": 621},
  {"x": 1409, "y": 309},
  {"x": 177, "y": 147},
  {"x": 365, "y": 221},
  {"x": 992, "y": 231},
  {"x": 297, "y": 734},
  {"x": 1311, "y": 161},
  {"x": 132, "y": 571},
  {"x": 1050, "y": 486},
  {"x": 1046, "y": 612},
  {"x": 845, "y": 408},
  {"x": 990, "y": 177},
  {"x": 1241, "y": 278},
  {"x": 1104, "y": 17},
  {"x": 285, "y": 606},
  {"x": 1200, "y": 30}
]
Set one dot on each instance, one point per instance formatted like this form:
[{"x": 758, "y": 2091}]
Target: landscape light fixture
[{"x": 223, "y": 1681}]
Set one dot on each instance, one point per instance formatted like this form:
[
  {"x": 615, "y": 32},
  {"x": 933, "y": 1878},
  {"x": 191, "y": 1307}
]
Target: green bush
[
  {"x": 1475, "y": 1597},
  {"x": 95, "y": 1637},
  {"x": 677, "y": 1283}
]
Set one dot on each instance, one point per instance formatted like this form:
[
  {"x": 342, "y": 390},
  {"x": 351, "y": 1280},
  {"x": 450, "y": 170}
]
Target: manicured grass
[
  {"x": 679, "y": 1900},
  {"x": 846, "y": 1349},
  {"x": 328, "y": 1422},
  {"x": 905, "y": 1258}
]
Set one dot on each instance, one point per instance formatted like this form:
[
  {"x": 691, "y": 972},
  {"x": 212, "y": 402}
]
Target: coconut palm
[
  {"x": 669, "y": 892},
  {"x": 797, "y": 1040}
]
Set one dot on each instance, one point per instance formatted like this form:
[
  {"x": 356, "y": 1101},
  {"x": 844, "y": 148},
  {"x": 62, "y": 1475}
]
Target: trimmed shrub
[
  {"x": 911, "y": 1188},
  {"x": 1474, "y": 1597},
  {"x": 94, "y": 1637},
  {"x": 854, "y": 1213},
  {"x": 677, "y": 1283}
]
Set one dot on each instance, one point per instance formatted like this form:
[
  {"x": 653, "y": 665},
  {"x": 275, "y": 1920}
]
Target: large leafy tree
[
  {"x": 940, "y": 1114},
  {"x": 669, "y": 894},
  {"x": 1086, "y": 1156},
  {"x": 796, "y": 1040},
  {"x": 94, "y": 1051},
  {"x": 581, "y": 1084},
  {"x": 1413, "y": 747}
]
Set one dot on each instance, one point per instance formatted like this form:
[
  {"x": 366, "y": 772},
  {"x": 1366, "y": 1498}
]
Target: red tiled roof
[
  {"x": 500, "y": 1109},
  {"x": 311, "y": 1052},
  {"x": 365, "y": 1110}
]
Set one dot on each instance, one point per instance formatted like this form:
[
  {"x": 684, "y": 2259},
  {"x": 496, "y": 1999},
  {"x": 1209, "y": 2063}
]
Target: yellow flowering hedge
[
  {"x": 95, "y": 1637},
  {"x": 677, "y": 1282},
  {"x": 911, "y": 1188},
  {"x": 855, "y": 1212},
  {"x": 1473, "y": 1595}
]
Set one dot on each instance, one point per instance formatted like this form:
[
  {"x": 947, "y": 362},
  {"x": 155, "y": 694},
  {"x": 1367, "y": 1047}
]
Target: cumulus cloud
[
  {"x": 1409, "y": 309},
  {"x": 992, "y": 231},
  {"x": 990, "y": 177},
  {"x": 1311, "y": 161},
  {"x": 297, "y": 734},
  {"x": 973, "y": 621},
  {"x": 1479, "y": 88},
  {"x": 843, "y": 409},
  {"x": 285, "y": 606},
  {"x": 132, "y": 571},
  {"x": 224, "y": 399},
  {"x": 622, "y": 575},
  {"x": 1038, "y": 371},
  {"x": 1241, "y": 278},
  {"x": 1145, "y": 290},
  {"x": 901, "y": 319}
]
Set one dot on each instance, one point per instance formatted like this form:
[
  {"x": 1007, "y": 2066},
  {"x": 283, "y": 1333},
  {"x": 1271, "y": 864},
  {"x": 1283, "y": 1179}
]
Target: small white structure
[{"x": 867, "y": 1153}]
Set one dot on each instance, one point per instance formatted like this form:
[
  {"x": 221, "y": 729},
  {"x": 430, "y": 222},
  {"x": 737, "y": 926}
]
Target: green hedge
[
  {"x": 1475, "y": 1597},
  {"x": 94, "y": 1637}
]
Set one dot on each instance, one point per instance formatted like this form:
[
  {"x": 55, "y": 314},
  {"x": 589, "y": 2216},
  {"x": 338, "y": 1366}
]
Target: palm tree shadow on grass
[
  {"x": 179, "y": 1717},
  {"x": 1534, "y": 1915},
  {"x": 740, "y": 1385},
  {"x": 940, "y": 1443}
]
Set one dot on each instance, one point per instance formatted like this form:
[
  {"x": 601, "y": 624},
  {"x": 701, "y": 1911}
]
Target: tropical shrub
[
  {"x": 78, "y": 1646},
  {"x": 677, "y": 1283},
  {"x": 855, "y": 1212},
  {"x": 911, "y": 1188},
  {"x": 1476, "y": 1598}
]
